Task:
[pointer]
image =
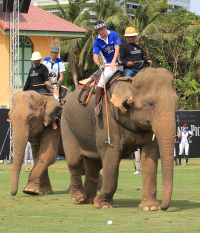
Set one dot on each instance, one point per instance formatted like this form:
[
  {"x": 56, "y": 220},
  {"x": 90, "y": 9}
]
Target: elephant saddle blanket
[{"x": 88, "y": 86}]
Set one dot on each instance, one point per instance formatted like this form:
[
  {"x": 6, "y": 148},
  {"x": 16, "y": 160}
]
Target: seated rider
[
  {"x": 107, "y": 44},
  {"x": 55, "y": 68},
  {"x": 37, "y": 76},
  {"x": 131, "y": 56}
]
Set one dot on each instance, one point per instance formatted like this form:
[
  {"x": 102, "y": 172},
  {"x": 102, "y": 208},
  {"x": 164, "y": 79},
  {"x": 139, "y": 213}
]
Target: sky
[{"x": 195, "y": 6}]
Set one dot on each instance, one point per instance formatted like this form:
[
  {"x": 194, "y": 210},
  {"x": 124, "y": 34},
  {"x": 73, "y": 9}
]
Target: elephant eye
[
  {"x": 150, "y": 104},
  {"x": 31, "y": 118}
]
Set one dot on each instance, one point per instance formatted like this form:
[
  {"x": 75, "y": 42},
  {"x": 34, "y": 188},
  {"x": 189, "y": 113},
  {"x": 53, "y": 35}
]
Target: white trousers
[
  {"x": 137, "y": 159},
  {"x": 28, "y": 154},
  {"x": 184, "y": 145},
  {"x": 108, "y": 73}
]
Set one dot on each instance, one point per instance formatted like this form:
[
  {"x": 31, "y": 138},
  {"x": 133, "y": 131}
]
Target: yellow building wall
[
  {"x": 40, "y": 44},
  {"x": 4, "y": 69}
]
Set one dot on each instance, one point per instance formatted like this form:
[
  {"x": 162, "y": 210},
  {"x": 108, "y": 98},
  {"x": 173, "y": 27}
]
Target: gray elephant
[
  {"x": 31, "y": 116},
  {"x": 141, "y": 107}
]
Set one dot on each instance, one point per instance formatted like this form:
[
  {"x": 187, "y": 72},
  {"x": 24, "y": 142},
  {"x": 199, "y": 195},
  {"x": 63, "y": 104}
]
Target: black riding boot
[
  {"x": 186, "y": 159},
  {"x": 98, "y": 102},
  {"x": 180, "y": 159}
]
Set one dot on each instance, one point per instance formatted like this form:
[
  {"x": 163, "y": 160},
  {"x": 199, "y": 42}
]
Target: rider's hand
[
  {"x": 59, "y": 82},
  {"x": 150, "y": 62},
  {"x": 112, "y": 65},
  {"x": 129, "y": 63},
  {"x": 101, "y": 67}
]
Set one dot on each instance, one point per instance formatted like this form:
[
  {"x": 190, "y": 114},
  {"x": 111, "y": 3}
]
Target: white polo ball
[{"x": 110, "y": 222}]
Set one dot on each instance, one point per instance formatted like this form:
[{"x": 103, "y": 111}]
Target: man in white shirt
[
  {"x": 184, "y": 135},
  {"x": 55, "y": 67}
]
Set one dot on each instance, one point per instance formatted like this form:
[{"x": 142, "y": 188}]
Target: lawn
[{"x": 57, "y": 212}]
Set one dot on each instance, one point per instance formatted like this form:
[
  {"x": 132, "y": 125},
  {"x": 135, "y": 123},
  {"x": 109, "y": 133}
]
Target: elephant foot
[
  {"x": 149, "y": 206},
  {"x": 99, "y": 202},
  {"x": 89, "y": 199},
  {"x": 31, "y": 191},
  {"x": 46, "y": 191},
  {"x": 76, "y": 195},
  {"x": 35, "y": 190}
]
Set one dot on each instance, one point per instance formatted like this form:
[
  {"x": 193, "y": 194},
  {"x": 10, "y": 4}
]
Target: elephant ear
[
  {"x": 122, "y": 94},
  {"x": 52, "y": 109}
]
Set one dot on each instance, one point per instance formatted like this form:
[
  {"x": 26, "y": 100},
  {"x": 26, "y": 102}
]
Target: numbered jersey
[{"x": 106, "y": 47}]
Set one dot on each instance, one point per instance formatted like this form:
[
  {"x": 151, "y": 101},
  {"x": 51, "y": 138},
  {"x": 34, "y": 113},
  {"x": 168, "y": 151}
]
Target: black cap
[{"x": 99, "y": 24}]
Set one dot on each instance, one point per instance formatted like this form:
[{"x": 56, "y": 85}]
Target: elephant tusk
[{"x": 153, "y": 137}]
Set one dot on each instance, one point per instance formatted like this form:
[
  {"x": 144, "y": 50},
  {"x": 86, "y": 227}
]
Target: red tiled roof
[{"x": 38, "y": 19}]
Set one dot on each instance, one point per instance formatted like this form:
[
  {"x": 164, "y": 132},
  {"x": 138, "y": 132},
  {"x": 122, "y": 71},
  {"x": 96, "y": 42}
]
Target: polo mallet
[
  {"x": 106, "y": 101},
  {"x": 46, "y": 83}
]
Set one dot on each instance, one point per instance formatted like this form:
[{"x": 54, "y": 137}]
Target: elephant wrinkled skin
[
  {"x": 145, "y": 104},
  {"x": 31, "y": 116}
]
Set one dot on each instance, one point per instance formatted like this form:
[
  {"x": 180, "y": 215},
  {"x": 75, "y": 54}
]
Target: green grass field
[{"x": 57, "y": 212}]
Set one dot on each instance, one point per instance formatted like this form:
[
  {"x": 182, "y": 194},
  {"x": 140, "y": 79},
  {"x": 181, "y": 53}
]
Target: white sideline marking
[{"x": 70, "y": 217}]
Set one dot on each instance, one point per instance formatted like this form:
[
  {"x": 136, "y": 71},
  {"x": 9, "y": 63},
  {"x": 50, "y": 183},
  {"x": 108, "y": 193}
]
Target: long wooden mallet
[
  {"x": 46, "y": 84},
  {"x": 106, "y": 101}
]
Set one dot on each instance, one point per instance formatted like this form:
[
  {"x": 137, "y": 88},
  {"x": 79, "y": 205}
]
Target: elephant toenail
[
  {"x": 105, "y": 207},
  {"x": 153, "y": 208},
  {"x": 146, "y": 208}
]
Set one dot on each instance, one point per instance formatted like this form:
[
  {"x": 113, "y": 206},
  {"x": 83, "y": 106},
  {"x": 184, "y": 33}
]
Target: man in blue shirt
[{"x": 107, "y": 45}]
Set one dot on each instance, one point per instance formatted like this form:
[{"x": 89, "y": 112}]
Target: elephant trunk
[
  {"x": 20, "y": 140},
  {"x": 164, "y": 129}
]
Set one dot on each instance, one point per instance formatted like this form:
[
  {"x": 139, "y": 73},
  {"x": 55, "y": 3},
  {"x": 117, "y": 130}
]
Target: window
[{"x": 25, "y": 52}]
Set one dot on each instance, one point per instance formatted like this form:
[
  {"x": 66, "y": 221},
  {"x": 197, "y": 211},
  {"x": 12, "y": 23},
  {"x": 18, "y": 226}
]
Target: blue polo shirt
[{"x": 107, "y": 47}]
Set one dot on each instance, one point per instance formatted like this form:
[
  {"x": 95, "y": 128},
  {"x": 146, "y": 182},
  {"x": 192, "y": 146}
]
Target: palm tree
[
  {"x": 72, "y": 14},
  {"x": 146, "y": 14}
]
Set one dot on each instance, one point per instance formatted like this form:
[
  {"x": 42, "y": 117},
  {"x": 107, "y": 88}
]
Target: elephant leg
[
  {"x": 75, "y": 163},
  {"x": 76, "y": 186},
  {"x": 39, "y": 182},
  {"x": 92, "y": 169},
  {"x": 149, "y": 172},
  {"x": 110, "y": 178}
]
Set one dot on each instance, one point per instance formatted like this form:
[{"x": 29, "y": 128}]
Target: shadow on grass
[
  {"x": 183, "y": 205},
  {"x": 179, "y": 205},
  {"x": 61, "y": 192}
]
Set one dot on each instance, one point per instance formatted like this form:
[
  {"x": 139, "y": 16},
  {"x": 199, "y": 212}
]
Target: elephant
[
  {"x": 141, "y": 112},
  {"x": 32, "y": 115}
]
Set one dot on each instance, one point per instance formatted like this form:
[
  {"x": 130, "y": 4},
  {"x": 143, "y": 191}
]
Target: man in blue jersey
[
  {"x": 107, "y": 45},
  {"x": 55, "y": 67}
]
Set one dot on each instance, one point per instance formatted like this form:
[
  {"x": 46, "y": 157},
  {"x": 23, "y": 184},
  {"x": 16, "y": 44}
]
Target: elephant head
[
  {"x": 29, "y": 114},
  {"x": 150, "y": 101}
]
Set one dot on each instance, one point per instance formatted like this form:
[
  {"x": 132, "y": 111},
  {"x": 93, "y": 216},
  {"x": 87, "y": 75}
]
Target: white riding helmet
[{"x": 36, "y": 56}]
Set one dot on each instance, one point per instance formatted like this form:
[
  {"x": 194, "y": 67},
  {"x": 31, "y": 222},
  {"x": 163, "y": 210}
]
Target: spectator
[
  {"x": 137, "y": 159},
  {"x": 28, "y": 155},
  {"x": 184, "y": 135}
]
